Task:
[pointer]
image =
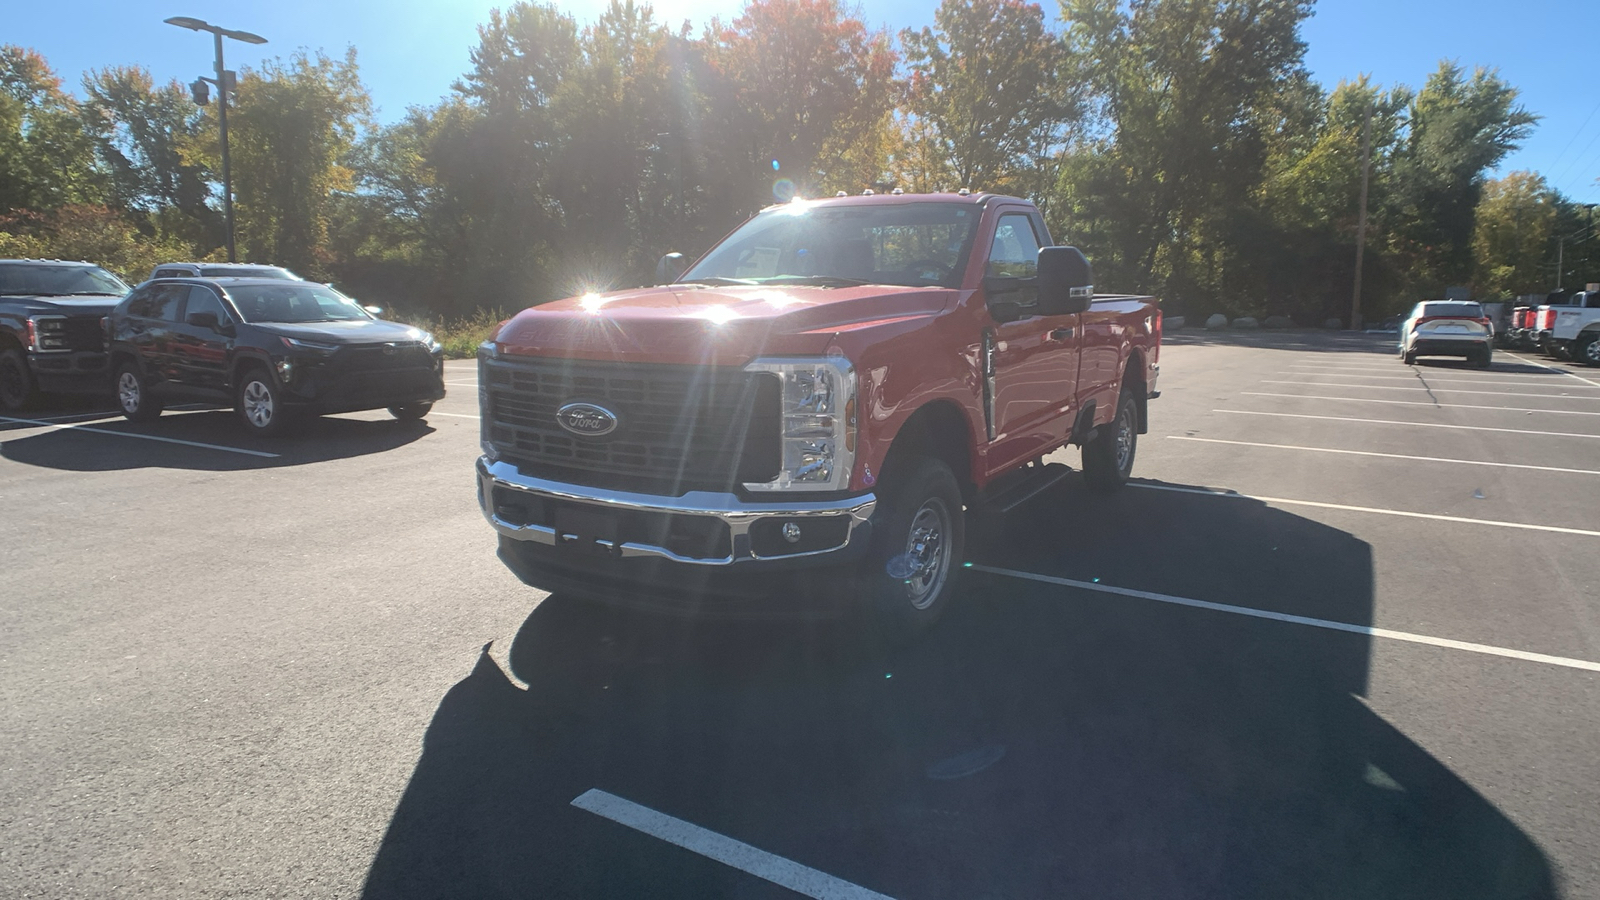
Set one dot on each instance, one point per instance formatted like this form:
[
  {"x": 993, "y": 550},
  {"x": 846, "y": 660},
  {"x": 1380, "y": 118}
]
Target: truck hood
[
  {"x": 710, "y": 325},
  {"x": 77, "y": 305},
  {"x": 356, "y": 331}
]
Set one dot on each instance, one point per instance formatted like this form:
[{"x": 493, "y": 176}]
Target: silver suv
[
  {"x": 221, "y": 270},
  {"x": 1447, "y": 328}
]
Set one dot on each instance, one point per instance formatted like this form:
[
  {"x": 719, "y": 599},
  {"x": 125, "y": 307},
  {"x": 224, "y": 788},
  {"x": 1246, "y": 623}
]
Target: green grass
[{"x": 460, "y": 336}]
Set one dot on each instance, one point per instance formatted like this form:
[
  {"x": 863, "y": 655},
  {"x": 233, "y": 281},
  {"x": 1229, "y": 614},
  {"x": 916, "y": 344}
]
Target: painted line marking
[
  {"x": 737, "y": 854},
  {"x": 1368, "y": 630},
  {"x": 1396, "y": 387},
  {"x": 1437, "y": 459},
  {"x": 147, "y": 437},
  {"x": 1520, "y": 409},
  {"x": 1413, "y": 379},
  {"x": 1234, "y": 495},
  {"x": 473, "y": 383},
  {"x": 1415, "y": 423},
  {"x": 1534, "y": 362},
  {"x": 452, "y": 415}
]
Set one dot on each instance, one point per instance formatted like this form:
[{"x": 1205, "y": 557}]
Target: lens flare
[{"x": 783, "y": 190}]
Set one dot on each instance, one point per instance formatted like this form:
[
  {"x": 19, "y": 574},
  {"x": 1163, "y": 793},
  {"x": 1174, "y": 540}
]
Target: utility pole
[{"x": 1361, "y": 226}]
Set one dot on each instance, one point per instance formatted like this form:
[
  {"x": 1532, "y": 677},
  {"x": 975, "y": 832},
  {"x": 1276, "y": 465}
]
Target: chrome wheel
[
  {"x": 258, "y": 407},
  {"x": 1591, "y": 352},
  {"x": 1125, "y": 431},
  {"x": 927, "y": 553},
  {"x": 128, "y": 393}
]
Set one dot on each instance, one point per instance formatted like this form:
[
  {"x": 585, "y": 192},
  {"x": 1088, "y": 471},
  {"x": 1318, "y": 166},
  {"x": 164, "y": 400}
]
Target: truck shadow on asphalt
[
  {"x": 102, "y": 445},
  {"x": 1043, "y": 741}
]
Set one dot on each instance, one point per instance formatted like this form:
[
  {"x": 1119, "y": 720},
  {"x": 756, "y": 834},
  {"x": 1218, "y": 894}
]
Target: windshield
[
  {"x": 1452, "y": 311},
  {"x": 911, "y": 244},
  {"x": 294, "y": 303},
  {"x": 58, "y": 281},
  {"x": 246, "y": 272}
]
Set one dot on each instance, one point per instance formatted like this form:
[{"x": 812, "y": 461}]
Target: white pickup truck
[{"x": 1575, "y": 331}]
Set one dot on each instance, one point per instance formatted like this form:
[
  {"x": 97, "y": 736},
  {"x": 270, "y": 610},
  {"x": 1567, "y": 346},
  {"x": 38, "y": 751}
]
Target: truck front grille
[
  {"x": 679, "y": 428},
  {"x": 85, "y": 333}
]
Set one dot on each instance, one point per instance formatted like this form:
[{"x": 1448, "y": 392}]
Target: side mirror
[
  {"x": 1066, "y": 281},
  {"x": 1004, "y": 311},
  {"x": 670, "y": 268},
  {"x": 204, "y": 320},
  {"x": 375, "y": 310}
]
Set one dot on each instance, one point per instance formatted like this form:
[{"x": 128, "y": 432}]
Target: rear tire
[
  {"x": 1409, "y": 357},
  {"x": 411, "y": 411},
  {"x": 18, "y": 390},
  {"x": 918, "y": 538},
  {"x": 133, "y": 395},
  {"x": 1587, "y": 351},
  {"x": 1484, "y": 358},
  {"x": 259, "y": 402},
  {"x": 1108, "y": 457}
]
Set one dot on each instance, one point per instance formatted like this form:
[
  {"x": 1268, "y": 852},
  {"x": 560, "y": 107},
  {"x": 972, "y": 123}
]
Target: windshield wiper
[
  {"x": 716, "y": 280},
  {"x": 817, "y": 280}
]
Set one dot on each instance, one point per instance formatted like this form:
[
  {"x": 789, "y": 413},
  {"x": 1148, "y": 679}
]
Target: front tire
[
  {"x": 918, "y": 535},
  {"x": 1108, "y": 457},
  {"x": 18, "y": 390},
  {"x": 133, "y": 395},
  {"x": 411, "y": 412},
  {"x": 259, "y": 402}
]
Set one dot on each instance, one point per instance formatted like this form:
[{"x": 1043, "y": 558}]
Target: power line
[
  {"x": 1561, "y": 179},
  {"x": 1570, "y": 140}
]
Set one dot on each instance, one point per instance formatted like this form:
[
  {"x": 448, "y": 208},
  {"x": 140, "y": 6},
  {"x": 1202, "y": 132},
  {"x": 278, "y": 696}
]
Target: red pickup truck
[{"x": 801, "y": 418}]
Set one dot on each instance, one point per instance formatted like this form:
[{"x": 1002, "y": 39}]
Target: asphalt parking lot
[{"x": 1341, "y": 639}]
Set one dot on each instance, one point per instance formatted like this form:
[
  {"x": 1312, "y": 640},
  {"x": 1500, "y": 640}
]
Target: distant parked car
[
  {"x": 274, "y": 349},
  {"x": 221, "y": 270},
  {"x": 51, "y": 339},
  {"x": 1447, "y": 328}
]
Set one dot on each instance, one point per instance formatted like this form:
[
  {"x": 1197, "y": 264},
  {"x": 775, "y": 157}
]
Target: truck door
[{"x": 1033, "y": 361}]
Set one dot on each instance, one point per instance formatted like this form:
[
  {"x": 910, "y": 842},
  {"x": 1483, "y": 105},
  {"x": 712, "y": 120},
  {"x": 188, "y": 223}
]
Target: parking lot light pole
[{"x": 224, "y": 84}]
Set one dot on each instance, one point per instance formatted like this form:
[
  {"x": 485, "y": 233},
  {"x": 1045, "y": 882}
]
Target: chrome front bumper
[{"x": 736, "y": 514}]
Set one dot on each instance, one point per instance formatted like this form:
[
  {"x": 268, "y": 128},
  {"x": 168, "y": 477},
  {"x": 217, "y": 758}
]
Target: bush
[{"x": 460, "y": 336}]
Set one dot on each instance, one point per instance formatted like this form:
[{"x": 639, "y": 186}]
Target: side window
[
  {"x": 202, "y": 299},
  {"x": 139, "y": 302},
  {"x": 1016, "y": 248},
  {"x": 168, "y": 300}
]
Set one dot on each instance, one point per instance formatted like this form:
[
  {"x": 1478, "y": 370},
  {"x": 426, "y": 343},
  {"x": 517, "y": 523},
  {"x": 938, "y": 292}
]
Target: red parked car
[{"x": 803, "y": 415}]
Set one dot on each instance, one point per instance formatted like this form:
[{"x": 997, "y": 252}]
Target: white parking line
[
  {"x": 147, "y": 437},
  {"x": 1520, "y": 409},
  {"x": 473, "y": 383},
  {"x": 1407, "y": 514},
  {"x": 1413, "y": 379},
  {"x": 1367, "y": 630},
  {"x": 1433, "y": 390},
  {"x": 1437, "y": 459},
  {"x": 1252, "y": 412},
  {"x": 771, "y": 867},
  {"x": 1541, "y": 365},
  {"x": 452, "y": 415}
]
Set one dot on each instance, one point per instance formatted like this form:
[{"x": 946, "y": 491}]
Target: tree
[
  {"x": 988, "y": 82},
  {"x": 1458, "y": 129},
  {"x": 1511, "y": 235},
  {"x": 46, "y": 157},
  {"x": 1187, "y": 95},
  {"x": 149, "y": 141},
  {"x": 791, "y": 82},
  {"x": 291, "y": 136}
]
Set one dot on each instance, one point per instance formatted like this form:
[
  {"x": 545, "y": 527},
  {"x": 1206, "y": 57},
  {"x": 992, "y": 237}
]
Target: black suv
[
  {"x": 271, "y": 348},
  {"x": 51, "y": 338}
]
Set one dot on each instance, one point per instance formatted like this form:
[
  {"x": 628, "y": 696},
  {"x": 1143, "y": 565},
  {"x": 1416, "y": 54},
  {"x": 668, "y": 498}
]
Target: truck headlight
[{"x": 817, "y": 429}]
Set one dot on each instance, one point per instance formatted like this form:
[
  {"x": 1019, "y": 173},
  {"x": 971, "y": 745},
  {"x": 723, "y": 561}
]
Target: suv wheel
[
  {"x": 1409, "y": 357},
  {"x": 17, "y": 388},
  {"x": 133, "y": 395},
  {"x": 919, "y": 533},
  {"x": 1484, "y": 357},
  {"x": 260, "y": 403},
  {"x": 411, "y": 411},
  {"x": 1108, "y": 457},
  {"x": 1588, "y": 350}
]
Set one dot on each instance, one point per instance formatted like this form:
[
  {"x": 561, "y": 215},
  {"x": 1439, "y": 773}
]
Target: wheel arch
[
  {"x": 938, "y": 429},
  {"x": 1133, "y": 378}
]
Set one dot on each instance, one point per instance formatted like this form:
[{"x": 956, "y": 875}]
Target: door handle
[{"x": 1060, "y": 334}]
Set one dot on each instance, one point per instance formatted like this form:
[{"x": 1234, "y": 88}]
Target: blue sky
[{"x": 410, "y": 50}]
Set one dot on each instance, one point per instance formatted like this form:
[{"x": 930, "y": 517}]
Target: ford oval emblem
[{"x": 586, "y": 419}]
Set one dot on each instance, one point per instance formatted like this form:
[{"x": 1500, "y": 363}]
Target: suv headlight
[{"x": 817, "y": 428}]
